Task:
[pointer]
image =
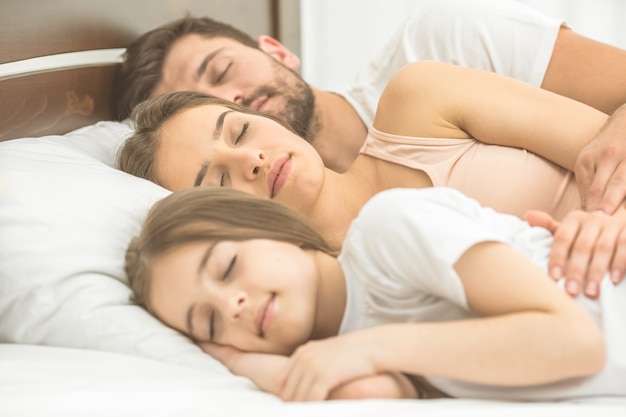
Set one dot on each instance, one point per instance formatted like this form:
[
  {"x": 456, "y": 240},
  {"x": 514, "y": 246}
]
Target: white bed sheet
[{"x": 52, "y": 381}]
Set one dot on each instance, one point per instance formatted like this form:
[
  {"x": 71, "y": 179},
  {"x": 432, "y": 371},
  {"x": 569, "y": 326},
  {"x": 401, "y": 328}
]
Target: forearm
[
  {"x": 441, "y": 100},
  {"x": 262, "y": 369},
  {"x": 617, "y": 121},
  {"x": 513, "y": 350},
  {"x": 615, "y": 127},
  {"x": 386, "y": 385}
]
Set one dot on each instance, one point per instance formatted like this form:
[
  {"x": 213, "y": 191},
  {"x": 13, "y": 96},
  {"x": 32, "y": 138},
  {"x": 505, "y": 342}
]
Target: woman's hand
[
  {"x": 318, "y": 367},
  {"x": 586, "y": 245},
  {"x": 601, "y": 166}
]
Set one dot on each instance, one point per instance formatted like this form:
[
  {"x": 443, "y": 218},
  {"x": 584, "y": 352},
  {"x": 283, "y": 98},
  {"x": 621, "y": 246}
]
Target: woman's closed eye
[
  {"x": 239, "y": 138},
  {"x": 242, "y": 134}
]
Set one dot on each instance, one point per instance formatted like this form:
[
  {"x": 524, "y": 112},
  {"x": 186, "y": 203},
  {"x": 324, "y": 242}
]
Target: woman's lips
[
  {"x": 278, "y": 174},
  {"x": 265, "y": 316}
]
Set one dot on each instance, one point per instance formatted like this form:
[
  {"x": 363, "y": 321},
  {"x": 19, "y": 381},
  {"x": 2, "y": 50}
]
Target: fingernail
[
  {"x": 616, "y": 276},
  {"x": 591, "y": 289},
  {"x": 572, "y": 287},
  {"x": 556, "y": 272}
]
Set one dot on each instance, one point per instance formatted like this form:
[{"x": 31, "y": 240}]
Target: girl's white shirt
[{"x": 398, "y": 261}]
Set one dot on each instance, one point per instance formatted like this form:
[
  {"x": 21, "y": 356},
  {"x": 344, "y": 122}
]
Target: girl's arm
[
  {"x": 528, "y": 333},
  {"x": 262, "y": 369},
  {"x": 433, "y": 99}
]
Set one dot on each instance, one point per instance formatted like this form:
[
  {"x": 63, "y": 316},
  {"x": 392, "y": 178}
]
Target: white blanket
[{"x": 49, "y": 381}]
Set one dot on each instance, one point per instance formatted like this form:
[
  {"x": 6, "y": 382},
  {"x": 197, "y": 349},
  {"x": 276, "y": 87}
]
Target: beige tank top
[{"x": 509, "y": 180}]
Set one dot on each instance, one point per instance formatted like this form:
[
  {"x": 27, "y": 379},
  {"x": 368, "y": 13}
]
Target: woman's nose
[{"x": 249, "y": 162}]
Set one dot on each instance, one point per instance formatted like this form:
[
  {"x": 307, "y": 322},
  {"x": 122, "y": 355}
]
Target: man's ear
[{"x": 279, "y": 52}]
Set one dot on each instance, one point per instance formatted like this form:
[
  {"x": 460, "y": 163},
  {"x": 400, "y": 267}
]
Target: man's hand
[
  {"x": 601, "y": 166},
  {"x": 586, "y": 245}
]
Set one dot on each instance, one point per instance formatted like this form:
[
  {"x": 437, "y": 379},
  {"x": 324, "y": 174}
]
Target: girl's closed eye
[
  {"x": 230, "y": 267},
  {"x": 212, "y": 325},
  {"x": 224, "y": 276}
]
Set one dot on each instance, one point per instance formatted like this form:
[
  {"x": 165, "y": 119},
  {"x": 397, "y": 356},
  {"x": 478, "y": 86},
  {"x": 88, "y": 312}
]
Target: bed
[{"x": 71, "y": 343}]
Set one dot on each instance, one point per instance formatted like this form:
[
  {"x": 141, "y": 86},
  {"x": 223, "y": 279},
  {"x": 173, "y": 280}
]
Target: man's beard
[{"x": 299, "y": 108}]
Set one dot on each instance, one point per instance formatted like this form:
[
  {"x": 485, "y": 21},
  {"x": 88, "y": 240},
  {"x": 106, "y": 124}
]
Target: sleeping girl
[{"x": 431, "y": 295}]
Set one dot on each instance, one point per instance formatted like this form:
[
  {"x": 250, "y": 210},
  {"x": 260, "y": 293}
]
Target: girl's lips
[
  {"x": 278, "y": 174},
  {"x": 265, "y": 316}
]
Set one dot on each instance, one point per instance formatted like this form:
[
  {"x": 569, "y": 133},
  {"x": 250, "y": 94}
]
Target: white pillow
[{"x": 66, "y": 217}]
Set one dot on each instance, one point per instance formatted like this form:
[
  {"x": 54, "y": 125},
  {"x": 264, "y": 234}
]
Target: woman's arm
[
  {"x": 601, "y": 166},
  {"x": 529, "y": 333},
  {"x": 594, "y": 73},
  {"x": 433, "y": 99}
]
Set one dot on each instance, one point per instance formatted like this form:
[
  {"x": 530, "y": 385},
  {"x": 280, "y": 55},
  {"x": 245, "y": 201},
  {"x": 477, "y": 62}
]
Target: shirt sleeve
[
  {"x": 502, "y": 36},
  {"x": 413, "y": 237}
]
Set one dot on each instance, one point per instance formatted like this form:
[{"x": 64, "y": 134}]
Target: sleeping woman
[
  {"x": 436, "y": 124},
  {"x": 432, "y": 295}
]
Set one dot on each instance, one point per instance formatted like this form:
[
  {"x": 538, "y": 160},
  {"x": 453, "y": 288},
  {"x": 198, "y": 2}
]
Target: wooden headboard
[{"x": 39, "y": 98}]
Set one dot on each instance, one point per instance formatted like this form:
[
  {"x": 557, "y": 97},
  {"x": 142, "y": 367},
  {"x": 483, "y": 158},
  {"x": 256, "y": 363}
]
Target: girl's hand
[
  {"x": 261, "y": 368},
  {"x": 586, "y": 245},
  {"x": 318, "y": 367}
]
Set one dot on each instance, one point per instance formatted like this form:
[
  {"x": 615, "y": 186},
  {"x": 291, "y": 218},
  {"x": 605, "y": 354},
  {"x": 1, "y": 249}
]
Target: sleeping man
[{"x": 495, "y": 35}]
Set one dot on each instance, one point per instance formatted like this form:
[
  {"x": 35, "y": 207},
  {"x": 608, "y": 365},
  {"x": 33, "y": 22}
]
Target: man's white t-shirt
[
  {"x": 398, "y": 261},
  {"x": 501, "y": 36}
]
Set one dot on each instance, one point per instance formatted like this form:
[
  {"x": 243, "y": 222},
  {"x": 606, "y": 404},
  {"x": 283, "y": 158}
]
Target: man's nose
[{"x": 230, "y": 93}]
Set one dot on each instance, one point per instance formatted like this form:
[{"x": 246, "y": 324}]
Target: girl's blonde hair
[{"x": 211, "y": 214}]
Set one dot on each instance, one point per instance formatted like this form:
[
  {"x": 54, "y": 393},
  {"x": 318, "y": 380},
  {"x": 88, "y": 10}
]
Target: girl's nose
[{"x": 236, "y": 304}]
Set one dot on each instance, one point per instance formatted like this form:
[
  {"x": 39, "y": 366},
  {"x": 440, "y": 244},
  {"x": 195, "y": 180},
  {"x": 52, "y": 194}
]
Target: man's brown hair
[{"x": 142, "y": 68}]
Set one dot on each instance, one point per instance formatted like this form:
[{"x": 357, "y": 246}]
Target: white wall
[{"x": 340, "y": 36}]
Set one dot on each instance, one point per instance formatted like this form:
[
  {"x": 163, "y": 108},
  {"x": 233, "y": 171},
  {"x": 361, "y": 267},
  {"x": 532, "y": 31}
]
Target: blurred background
[{"x": 338, "y": 37}]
